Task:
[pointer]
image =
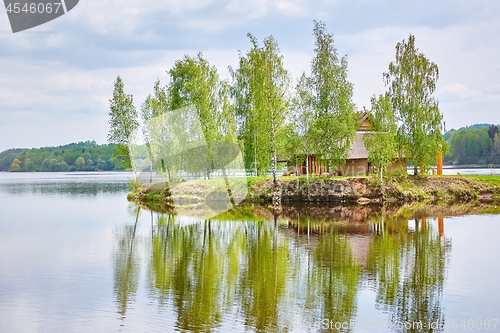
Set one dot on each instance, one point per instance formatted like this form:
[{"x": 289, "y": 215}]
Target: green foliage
[
  {"x": 496, "y": 147},
  {"x": 335, "y": 120},
  {"x": 401, "y": 172},
  {"x": 299, "y": 141},
  {"x": 323, "y": 121},
  {"x": 381, "y": 142},
  {"x": 122, "y": 157},
  {"x": 122, "y": 119},
  {"x": 260, "y": 88},
  {"x": 474, "y": 146},
  {"x": 412, "y": 81},
  {"x": 133, "y": 184},
  {"x": 61, "y": 158},
  {"x": 15, "y": 166},
  {"x": 194, "y": 82},
  {"x": 80, "y": 162},
  {"x": 374, "y": 183},
  {"x": 153, "y": 106}
]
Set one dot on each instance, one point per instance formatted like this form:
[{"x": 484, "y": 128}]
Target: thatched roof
[
  {"x": 358, "y": 149},
  {"x": 364, "y": 122}
]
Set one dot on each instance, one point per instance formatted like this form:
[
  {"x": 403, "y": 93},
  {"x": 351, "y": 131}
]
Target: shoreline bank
[{"x": 361, "y": 190}]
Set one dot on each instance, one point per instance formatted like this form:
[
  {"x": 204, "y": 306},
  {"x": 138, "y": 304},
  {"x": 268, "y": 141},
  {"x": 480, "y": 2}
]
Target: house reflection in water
[
  {"x": 360, "y": 224},
  {"x": 403, "y": 259}
]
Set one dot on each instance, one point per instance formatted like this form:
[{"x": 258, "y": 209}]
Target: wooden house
[{"x": 357, "y": 161}]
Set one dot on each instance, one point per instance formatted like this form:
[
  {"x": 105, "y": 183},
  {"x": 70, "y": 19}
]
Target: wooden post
[
  {"x": 440, "y": 163},
  {"x": 441, "y": 226}
]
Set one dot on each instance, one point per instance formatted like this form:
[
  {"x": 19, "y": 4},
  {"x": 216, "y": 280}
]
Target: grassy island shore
[{"x": 319, "y": 189}]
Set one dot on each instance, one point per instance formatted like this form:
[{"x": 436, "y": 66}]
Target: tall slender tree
[
  {"x": 335, "y": 119},
  {"x": 194, "y": 82},
  {"x": 381, "y": 141},
  {"x": 122, "y": 121},
  {"x": 412, "y": 81},
  {"x": 261, "y": 85},
  {"x": 154, "y": 105},
  {"x": 303, "y": 117}
]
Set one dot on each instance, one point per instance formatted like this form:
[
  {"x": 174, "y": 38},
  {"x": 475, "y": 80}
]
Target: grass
[
  {"x": 133, "y": 184},
  {"x": 440, "y": 193},
  {"x": 430, "y": 187},
  {"x": 494, "y": 179}
]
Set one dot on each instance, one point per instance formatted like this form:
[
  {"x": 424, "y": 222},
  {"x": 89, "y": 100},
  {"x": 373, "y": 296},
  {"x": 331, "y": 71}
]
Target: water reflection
[
  {"x": 302, "y": 267},
  {"x": 127, "y": 265},
  {"x": 204, "y": 267},
  {"x": 86, "y": 184},
  {"x": 335, "y": 277},
  {"x": 81, "y": 263},
  {"x": 408, "y": 270},
  {"x": 71, "y": 189}
]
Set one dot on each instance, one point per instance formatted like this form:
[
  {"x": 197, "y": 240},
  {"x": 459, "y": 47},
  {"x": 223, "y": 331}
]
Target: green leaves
[
  {"x": 122, "y": 115},
  {"x": 260, "y": 88},
  {"x": 381, "y": 141},
  {"x": 335, "y": 120},
  {"x": 324, "y": 114},
  {"x": 122, "y": 120},
  {"x": 412, "y": 81},
  {"x": 474, "y": 146}
]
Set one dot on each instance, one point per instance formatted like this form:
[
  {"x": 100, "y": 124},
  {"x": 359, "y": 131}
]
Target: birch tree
[
  {"x": 194, "y": 82},
  {"x": 412, "y": 80},
  {"x": 122, "y": 121},
  {"x": 262, "y": 83},
  {"x": 154, "y": 105},
  {"x": 381, "y": 141},
  {"x": 335, "y": 119},
  {"x": 303, "y": 117}
]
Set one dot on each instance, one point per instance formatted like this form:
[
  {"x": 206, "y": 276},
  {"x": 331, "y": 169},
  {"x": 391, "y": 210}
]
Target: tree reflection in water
[
  {"x": 297, "y": 269},
  {"x": 127, "y": 266},
  {"x": 335, "y": 278},
  {"x": 409, "y": 270}
]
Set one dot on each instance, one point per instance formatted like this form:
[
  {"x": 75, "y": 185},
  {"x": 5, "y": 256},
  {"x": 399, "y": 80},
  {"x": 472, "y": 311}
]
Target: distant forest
[
  {"x": 476, "y": 144},
  {"x": 82, "y": 156}
]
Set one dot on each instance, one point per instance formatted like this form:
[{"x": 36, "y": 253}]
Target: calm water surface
[{"x": 76, "y": 256}]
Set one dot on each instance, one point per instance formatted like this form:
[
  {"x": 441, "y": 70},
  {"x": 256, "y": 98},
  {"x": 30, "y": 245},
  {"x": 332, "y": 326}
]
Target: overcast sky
[{"x": 56, "y": 79}]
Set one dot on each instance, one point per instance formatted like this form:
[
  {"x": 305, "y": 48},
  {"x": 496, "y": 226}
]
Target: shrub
[
  {"x": 133, "y": 184},
  {"x": 374, "y": 183}
]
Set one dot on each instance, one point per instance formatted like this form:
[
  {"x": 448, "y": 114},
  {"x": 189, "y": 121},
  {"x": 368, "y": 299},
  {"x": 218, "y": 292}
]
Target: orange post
[
  {"x": 441, "y": 226},
  {"x": 440, "y": 163}
]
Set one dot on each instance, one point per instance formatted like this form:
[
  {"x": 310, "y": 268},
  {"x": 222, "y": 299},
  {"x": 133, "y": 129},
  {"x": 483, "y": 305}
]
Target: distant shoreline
[{"x": 470, "y": 166}]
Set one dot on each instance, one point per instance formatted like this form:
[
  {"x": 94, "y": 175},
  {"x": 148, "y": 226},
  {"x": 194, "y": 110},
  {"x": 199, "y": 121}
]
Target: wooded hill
[
  {"x": 475, "y": 144},
  {"x": 82, "y": 156}
]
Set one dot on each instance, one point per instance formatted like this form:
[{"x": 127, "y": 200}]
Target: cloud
[
  {"x": 293, "y": 8},
  {"x": 458, "y": 90},
  {"x": 468, "y": 68},
  {"x": 48, "y": 101},
  {"x": 68, "y": 74}
]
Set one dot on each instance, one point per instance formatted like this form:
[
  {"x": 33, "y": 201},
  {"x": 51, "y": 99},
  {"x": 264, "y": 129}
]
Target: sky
[{"x": 56, "y": 79}]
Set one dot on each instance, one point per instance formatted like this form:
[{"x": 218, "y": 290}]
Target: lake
[{"x": 76, "y": 256}]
